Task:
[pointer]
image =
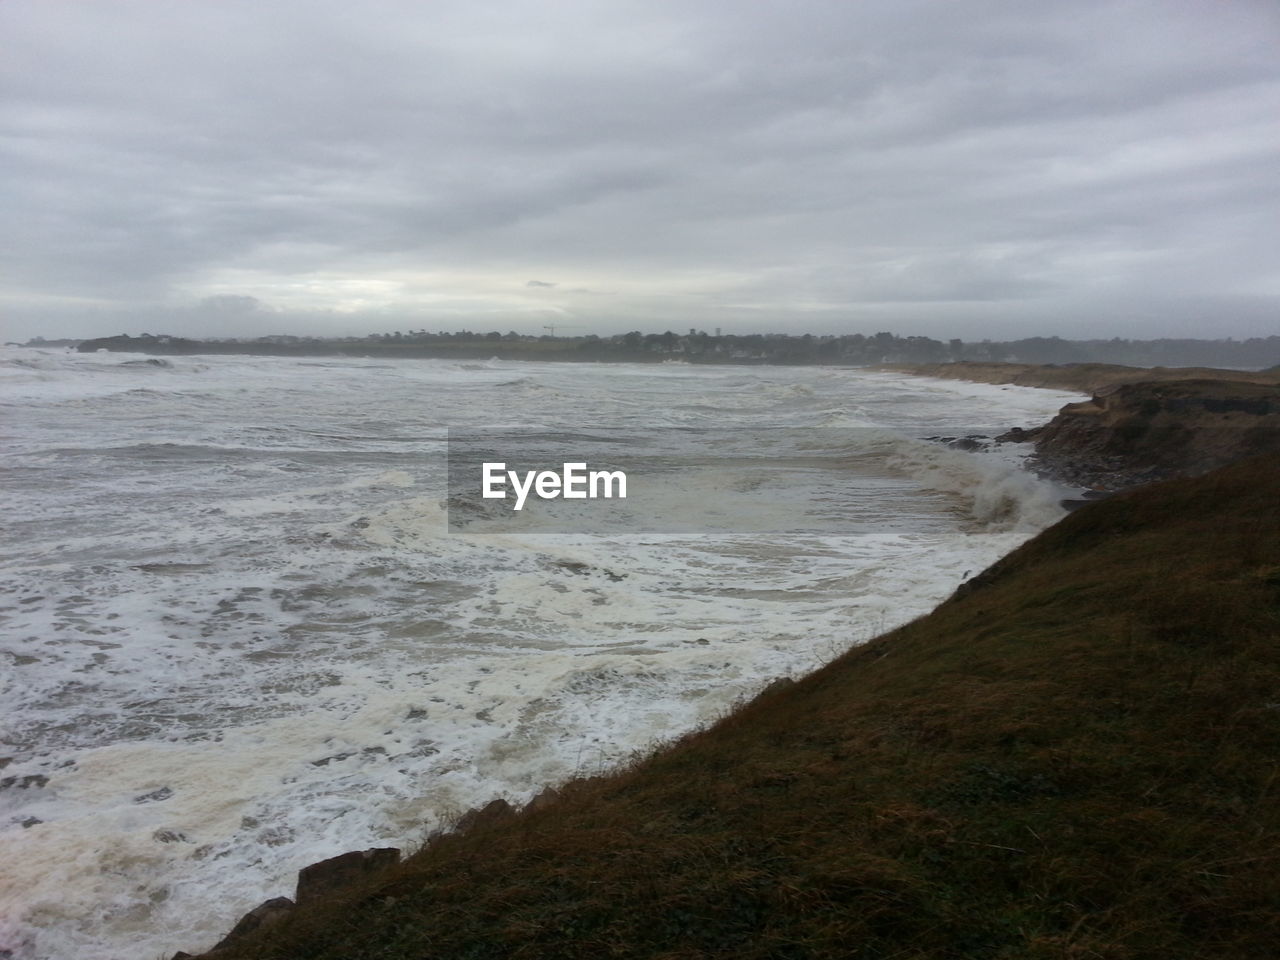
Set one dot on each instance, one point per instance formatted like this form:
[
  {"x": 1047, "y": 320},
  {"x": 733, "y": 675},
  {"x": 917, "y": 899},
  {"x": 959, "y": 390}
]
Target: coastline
[
  {"x": 1029, "y": 405},
  {"x": 365, "y": 892},
  {"x": 1027, "y": 749},
  {"x": 218, "y": 858},
  {"x": 1138, "y": 425},
  {"x": 1080, "y": 377}
]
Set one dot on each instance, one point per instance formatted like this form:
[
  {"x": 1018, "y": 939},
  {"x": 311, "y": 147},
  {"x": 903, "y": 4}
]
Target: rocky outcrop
[
  {"x": 495, "y": 811},
  {"x": 318, "y": 880},
  {"x": 1139, "y": 432},
  {"x": 334, "y": 876},
  {"x": 263, "y": 915},
  {"x": 340, "y": 876}
]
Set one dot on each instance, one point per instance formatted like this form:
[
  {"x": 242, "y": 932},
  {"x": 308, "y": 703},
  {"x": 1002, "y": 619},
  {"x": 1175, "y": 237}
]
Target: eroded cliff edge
[
  {"x": 1083, "y": 377},
  {"x": 1155, "y": 430}
]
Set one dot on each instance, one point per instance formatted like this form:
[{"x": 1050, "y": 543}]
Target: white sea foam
[{"x": 239, "y": 636}]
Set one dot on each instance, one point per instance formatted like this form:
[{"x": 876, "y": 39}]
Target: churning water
[{"x": 239, "y": 636}]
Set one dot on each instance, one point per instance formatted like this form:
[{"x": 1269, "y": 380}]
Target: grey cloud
[
  {"x": 230, "y": 304},
  {"x": 824, "y": 164}
]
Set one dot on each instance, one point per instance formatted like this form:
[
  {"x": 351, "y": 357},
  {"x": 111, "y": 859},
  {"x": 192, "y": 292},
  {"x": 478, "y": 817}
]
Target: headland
[{"x": 1074, "y": 756}]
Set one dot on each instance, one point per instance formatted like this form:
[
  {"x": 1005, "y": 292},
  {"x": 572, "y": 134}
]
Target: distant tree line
[
  {"x": 698, "y": 346},
  {"x": 883, "y": 347}
]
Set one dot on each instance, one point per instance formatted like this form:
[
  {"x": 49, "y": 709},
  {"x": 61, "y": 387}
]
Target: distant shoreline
[
  {"x": 1081, "y": 377},
  {"x": 1040, "y": 361},
  {"x": 549, "y": 350}
]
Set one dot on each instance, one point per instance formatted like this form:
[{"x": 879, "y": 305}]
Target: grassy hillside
[{"x": 1075, "y": 757}]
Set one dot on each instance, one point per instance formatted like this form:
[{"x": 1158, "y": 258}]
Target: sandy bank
[{"x": 1082, "y": 377}]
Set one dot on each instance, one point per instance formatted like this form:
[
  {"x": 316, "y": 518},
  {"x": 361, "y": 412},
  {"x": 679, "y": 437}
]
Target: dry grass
[{"x": 1077, "y": 758}]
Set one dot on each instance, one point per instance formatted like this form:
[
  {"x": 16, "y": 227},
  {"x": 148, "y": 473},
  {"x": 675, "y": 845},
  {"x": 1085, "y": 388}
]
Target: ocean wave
[
  {"x": 996, "y": 493},
  {"x": 241, "y": 636}
]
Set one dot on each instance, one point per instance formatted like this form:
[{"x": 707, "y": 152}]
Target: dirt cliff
[
  {"x": 1084, "y": 377},
  {"x": 1137, "y": 432}
]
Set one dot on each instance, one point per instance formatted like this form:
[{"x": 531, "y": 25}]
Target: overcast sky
[{"x": 948, "y": 167}]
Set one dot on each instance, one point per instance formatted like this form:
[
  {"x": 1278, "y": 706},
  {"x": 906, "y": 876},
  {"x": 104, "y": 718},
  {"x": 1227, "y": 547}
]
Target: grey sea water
[{"x": 238, "y": 635}]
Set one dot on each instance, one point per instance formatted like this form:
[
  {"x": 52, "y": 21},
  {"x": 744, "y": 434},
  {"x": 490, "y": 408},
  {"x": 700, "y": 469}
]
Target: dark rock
[
  {"x": 493, "y": 812},
  {"x": 586, "y": 570},
  {"x": 778, "y": 685},
  {"x": 263, "y": 915},
  {"x": 1019, "y": 435},
  {"x": 544, "y": 799},
  {"x": 325, "y": 761},
  {"x": 24, "y": 783},
  {"x": 1085, "y": 498},
  {"x": 164, "y": 793},
  {"x": 321, "y": 879},
  {"x": 973, "y": 441}
]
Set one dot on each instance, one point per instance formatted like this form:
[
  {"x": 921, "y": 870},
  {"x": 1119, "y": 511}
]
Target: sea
[{"x": 242, "y": 628}]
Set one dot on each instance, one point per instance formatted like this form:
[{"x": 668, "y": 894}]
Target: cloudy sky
[{"x": 943, "y": 167}]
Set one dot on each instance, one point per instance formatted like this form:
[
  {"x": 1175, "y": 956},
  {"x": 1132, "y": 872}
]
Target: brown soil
[{"x": 1082, "y": 377}]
